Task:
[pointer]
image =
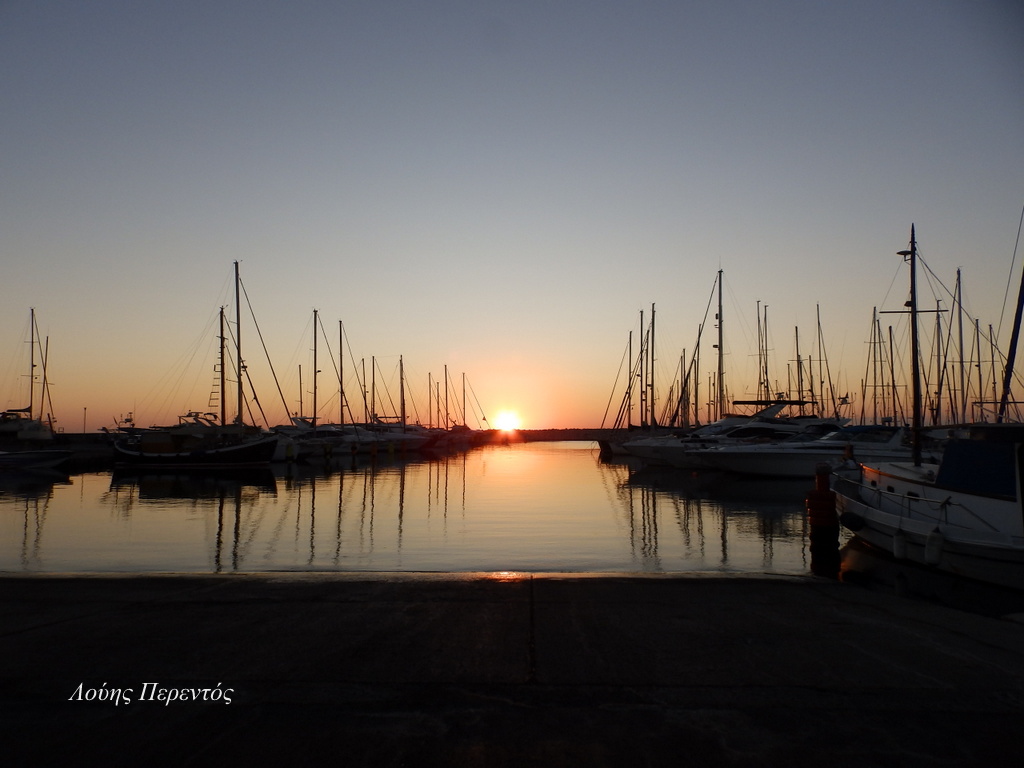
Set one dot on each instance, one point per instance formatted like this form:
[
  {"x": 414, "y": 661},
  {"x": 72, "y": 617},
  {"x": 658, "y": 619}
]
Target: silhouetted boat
[
  {"x": 22, "y": 424},
  {"x": 42, "y": 459},
  {"x": 152, "y": 450},
  {"x": 800, "y": 455},
  {"x": 204, "y": 439}
]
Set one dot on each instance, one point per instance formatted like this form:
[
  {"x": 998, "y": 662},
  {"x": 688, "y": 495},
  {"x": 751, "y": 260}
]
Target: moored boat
[
  {"x": 25, "y": 425},
  {"x": 32, "y": 459},
  {"x": 962, "y": 516},
  {"x": 161, "y": 449},
  {"x": 769, "y": 423},
  {"x": 800, "y": 455}
]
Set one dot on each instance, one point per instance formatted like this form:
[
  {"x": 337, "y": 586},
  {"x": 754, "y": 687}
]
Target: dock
[{"x": 500, "y": 669}]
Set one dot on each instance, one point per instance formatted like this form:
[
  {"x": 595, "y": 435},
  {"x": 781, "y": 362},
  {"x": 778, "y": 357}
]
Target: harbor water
[{"x": 522, "y": 507}]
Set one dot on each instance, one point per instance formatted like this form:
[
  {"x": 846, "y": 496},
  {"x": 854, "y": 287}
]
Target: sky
[{"x": 493, "y": 188}]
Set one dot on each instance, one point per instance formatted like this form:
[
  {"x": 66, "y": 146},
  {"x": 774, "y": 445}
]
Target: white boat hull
[
  {"x": 997, "y": 560},
  {"x": 907, "y": 511}
]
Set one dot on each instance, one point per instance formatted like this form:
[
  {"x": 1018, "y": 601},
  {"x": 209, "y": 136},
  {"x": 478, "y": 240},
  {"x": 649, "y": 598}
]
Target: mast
[
  {"x": 650, "y": 379},
  {"x": 223, "y": 375},
  {"x": 32, "y": 364},
  {"x": 341, "y": 372},
  {"x": 238, "y": 342},
  {"x": 629, "y": 386},
  {"x": 1012, "y": 353},
  {"x": 696, "y": 378},
  {"x": 362, "y": 386},
  {"x": 962, "y": 410},
  {"x": 799, "y": 369},
  {"x": 401, "y": 388},
  {"x": 721, "y": 359},
  {"x": 915, "y": 435},
  {"x": 641, "y": 364},
  {"x": 981, "y": 386},
  {"x": 315, "y": 371}
]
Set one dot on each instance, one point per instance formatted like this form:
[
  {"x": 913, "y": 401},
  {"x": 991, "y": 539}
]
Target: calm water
[{"x": 524, "y": 507}]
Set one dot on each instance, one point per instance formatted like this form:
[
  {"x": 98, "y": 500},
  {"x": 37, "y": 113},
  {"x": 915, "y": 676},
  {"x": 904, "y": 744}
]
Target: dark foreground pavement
[{"x": 491, "y": 670}]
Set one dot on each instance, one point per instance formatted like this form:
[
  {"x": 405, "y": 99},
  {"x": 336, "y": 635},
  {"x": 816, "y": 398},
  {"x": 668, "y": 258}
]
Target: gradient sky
[{"x": 499, "y": 187}]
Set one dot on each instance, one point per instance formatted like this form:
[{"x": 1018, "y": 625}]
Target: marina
[{"x": 573, "y": 410}]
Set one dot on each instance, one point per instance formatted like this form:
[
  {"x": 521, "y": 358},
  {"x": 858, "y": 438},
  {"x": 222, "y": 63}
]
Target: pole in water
[{"x": 824, "y": 535}]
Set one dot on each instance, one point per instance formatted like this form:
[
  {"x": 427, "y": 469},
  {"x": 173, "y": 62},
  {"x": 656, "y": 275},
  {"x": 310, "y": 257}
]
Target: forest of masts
[{"x": 961, "y": 366}]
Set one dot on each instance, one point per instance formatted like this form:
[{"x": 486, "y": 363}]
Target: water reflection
[
  {"x": 27, "y": 496},
  {"x": 520, "y": 508},
  {"x": 877, "y": 570},
  {"x": 32, "y": 484},
  {"x": 720, "y": 519}
]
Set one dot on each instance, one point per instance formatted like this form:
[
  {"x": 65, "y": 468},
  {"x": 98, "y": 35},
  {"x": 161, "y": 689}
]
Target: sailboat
[
  {"x": 22, "y": 424},
  {"x": 204, "y": 439},
  {"x": 962, "y": 515}
]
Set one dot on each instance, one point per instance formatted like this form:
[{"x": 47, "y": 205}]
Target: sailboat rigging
[
  {"x": 26, "y": 424},
  {"x": 199, "y": 439}
]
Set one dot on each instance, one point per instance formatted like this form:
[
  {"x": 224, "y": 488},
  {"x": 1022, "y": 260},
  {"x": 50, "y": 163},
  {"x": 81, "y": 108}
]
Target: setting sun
[{"x": 507, "y": 421}]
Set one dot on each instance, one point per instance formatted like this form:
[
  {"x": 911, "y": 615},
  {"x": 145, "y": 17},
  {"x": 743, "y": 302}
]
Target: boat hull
[
  {"x": 994, "y": 561},
  {"x": 249, "y": 453},
  {"x": 42, "y": 459},
  {"x": 933, "y": 515}
]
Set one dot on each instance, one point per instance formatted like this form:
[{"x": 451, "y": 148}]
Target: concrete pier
[{"x": 499, "y": 670}]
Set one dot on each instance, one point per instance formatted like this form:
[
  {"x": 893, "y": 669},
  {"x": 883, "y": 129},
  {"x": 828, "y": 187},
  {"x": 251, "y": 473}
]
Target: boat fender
[
  {"x": 933, "y": 547},
  {"x": 899, "y": 545}
]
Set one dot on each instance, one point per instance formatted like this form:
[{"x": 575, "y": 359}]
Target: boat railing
[{"x": 910, "y": 505}]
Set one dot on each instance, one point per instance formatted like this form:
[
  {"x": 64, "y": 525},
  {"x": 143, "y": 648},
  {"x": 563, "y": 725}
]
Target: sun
[{"x": 507, "y": 421}]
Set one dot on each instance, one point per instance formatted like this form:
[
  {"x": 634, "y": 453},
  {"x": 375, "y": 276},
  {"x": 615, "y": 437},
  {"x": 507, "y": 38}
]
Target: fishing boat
[{"x": 962, "y": 515}]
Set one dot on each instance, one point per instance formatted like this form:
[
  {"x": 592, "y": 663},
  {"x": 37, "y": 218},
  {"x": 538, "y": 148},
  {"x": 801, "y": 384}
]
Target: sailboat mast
[
  {"x": 641, "y": 363},
  {"x": 315, "y": 371},
  {"x": 223, "y": 373},
  {"x": 652, "y": 420},
  {"x": 1012, "y": 353},
  {"x": 799, "y": 369},
  {"x": 32, "y": 364},
  {"x": 962, "y": 410},
  {"x": 401, "y": 387},
  {"x": 341, "y": 373},
  {"x": 696, "y": 378},
  {"x": 915, "y": 366},
  {"x": 238, "y": 342},
  {"x": 629, "y": 386},
  {"x": 721, "y": 359}
]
